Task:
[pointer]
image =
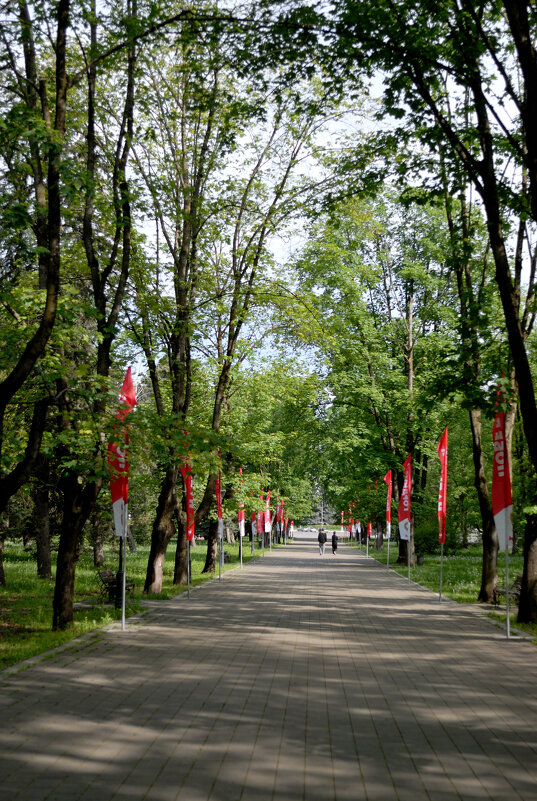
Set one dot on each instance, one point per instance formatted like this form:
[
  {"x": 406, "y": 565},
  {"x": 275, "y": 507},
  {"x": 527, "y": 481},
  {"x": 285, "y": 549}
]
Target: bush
[{"x": 426, "y": 537}]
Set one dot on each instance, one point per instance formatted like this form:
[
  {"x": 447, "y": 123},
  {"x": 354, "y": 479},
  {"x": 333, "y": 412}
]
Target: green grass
[
  {"x": 26, "y": 601},
  {"x": 461, "y": 576}
]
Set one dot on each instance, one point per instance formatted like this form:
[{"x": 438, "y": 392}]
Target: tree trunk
[
  {"x": 230, "y": 537},
  {"x": 97, "y": 539},
  {"x": 464, "y": 523},
  {"x": 524, "y": 379},
  {"x": 487, "y": 592},
  {"x": 163, "y": 531},
  {"x": 212, "y": 548},
  {"x": 410, "y": 438},
  {"x": 180, "y": 572},
  {"x": 527, "y": 608},
  {"x": 75, "y": 513},
  {"x": 2, "y": 574},
  {"x": 404, "y": 545},
  {"x": 42, "y": 521}
]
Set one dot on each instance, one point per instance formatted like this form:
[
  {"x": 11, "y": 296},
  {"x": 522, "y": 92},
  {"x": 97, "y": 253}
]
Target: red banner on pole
[
  {"x": 502, "y": 499},
  {"x": 240, "y": 515},
  {"x": 190, "y": 519},
  {"x": 388, "y": 481},
  {"x": 442, "y": 451},
  {"x": 218, "y": 491},
  {"x": 268, "y": 521},
  {"x": 404, "y": 503},
  {"x": 118, "y": 459}
]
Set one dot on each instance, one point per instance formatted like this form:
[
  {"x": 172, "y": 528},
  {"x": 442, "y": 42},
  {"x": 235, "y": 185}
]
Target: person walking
[
  {"x": 322, "y": 540},
  {"x": 334, "y": 543}
]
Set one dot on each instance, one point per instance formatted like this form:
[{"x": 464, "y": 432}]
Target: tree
[
  {"x": 32, "y": 147},
  {"x": 380, "y": 284},
  {"x": 433, "y": 57},
  {"x": 216, "y": 207},
  {"x": 473, "y": 287}
]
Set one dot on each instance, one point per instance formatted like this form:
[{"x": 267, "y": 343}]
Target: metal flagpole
[
  {"x": 502, "y": 501},
  {"x": 507, "y": 599},
  {"x": 124, "y": 560},
  {"x": 389, "y": 533},
  {"x": 220, "y": 547},
  {"x": 188, "y": 567},
  {"x": 442, "y": 451},
  {"x": 441, "y": 568}
]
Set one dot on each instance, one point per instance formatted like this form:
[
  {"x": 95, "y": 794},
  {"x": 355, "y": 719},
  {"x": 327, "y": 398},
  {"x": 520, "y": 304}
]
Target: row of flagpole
[
  {"x": 119, "y": 487},
  {"x": 502, "y": 502}
]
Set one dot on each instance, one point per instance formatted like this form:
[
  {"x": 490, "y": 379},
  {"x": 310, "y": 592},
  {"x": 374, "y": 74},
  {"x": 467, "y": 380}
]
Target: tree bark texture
[
  {"x": 527, "y": 609},
  {"x": 487, "y": 591},
  {"x": 212, "y": 548},
  {"x": 2, "y": 573},
  {"x": 180, "y": 571},
  {"x": 76, "y": 510},
  {"x": 97, "y": 539},
  {"x": 163, "y": 531},
  {"x": 41, "y": 517}
]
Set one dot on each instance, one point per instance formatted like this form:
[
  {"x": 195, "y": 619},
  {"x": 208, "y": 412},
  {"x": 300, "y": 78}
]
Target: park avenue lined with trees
[{"x": 312, "y": 232}]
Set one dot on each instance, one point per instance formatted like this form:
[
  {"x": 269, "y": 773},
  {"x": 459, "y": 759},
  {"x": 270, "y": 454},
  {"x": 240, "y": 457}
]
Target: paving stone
[{"x": 297, "y": 678}]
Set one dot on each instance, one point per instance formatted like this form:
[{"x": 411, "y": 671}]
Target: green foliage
[{"x": 340, "y": 362}]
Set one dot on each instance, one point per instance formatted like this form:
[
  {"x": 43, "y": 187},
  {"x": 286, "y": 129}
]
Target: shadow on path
[{"x": 297, "y": 677}]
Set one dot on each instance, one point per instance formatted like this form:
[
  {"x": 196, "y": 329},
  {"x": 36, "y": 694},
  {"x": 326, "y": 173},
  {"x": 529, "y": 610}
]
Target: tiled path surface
[{"x": 300, "y": 678}]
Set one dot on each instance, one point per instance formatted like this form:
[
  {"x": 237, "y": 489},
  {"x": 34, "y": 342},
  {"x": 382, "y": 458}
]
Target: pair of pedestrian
[{"x": 322, "y": 541}]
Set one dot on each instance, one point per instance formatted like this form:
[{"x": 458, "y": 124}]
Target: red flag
[
  {"x": 190, "y": 520},
  {"x": 369, "y": 530},
  {"x": 218, "y": 491},
  {"x": 268, "y": 525},
  {"x": 404, "y": 503},
  {"x": 260, "y": 518},
  {"x": 502, "y": 500},
  {"x": 240, "y": 518},
  {"x": 118, "y": 461},
  {"x": 240, "y": 515},
  {"x": 388, "y": 481},
  {"x": 442, "y": 451}
]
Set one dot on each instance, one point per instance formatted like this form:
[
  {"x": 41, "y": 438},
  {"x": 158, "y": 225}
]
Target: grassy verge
[
  {"x": 26, "y": 601},
  {"x": 461, "y": 576}
]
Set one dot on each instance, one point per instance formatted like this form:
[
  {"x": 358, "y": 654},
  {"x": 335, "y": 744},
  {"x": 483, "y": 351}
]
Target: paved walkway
[{"x": 298, "y": 678}]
